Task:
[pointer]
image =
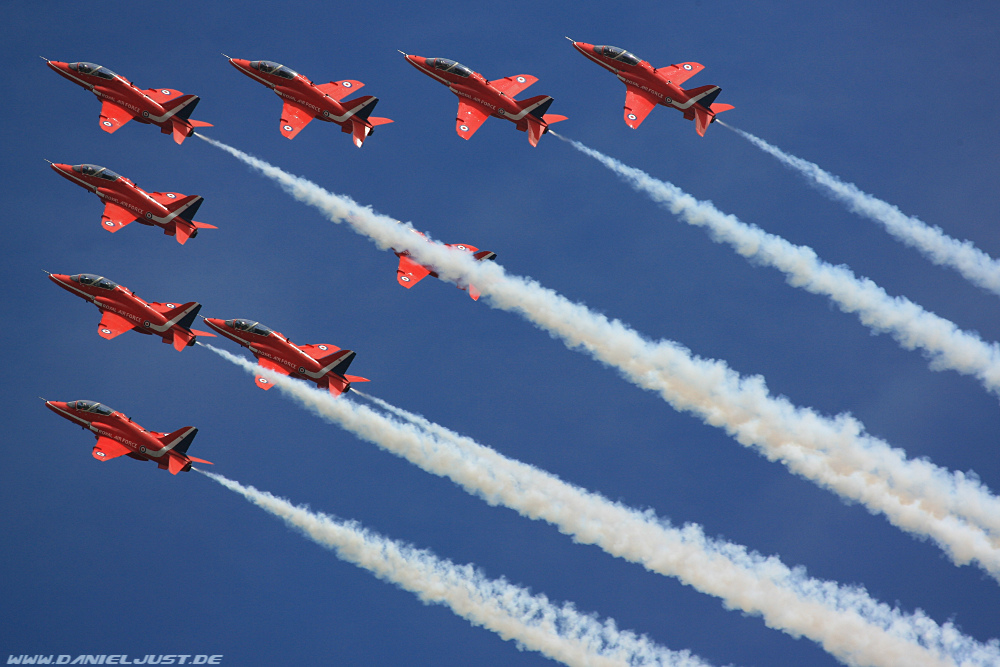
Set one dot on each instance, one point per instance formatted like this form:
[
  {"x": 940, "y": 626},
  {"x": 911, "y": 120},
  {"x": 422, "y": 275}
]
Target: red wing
[
  {"x": 263, "y": 382},
  {"x": 115, "y": 217},
  {"x": 678, "y": 74},
  {"x": 338, "y": 90},
  {"x": 410, "y": 273},
  {"x": 168, "y": 199},
  {"x": 161, "y": 95},
  {"x": 638, "y": 104},
  {"x": 512, "y": 85},
  {"x": 470, "y": 117},
  {"x": 107, "y": 449},
  {"x": 462, "y": 246},
  {"x": 319, "y": 351},
  {"x": 113, "y": 325},
  {"x": 293, "y": 118},
  {"x": 113, "y": 116}
]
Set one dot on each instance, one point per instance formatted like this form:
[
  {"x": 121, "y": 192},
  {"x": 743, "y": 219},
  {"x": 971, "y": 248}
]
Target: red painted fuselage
[
  {"x": 122, "y": 100},
  {"x": 117, "y": 435},
  {"x": 409, "y": 272},
  {"x": 125, "y": 202},
  {"x": 646, "y": 86},
  {"x": 325, "y": 365},
  {"x": 478, "y": 99},
  {"x": 121, "y": 310},
  {"x": 304, "y": 100}
]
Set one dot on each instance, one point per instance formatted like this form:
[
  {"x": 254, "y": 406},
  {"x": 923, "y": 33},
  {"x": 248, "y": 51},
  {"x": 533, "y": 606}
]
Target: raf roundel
[
  {"x": 145, "y": 114},
  {"x": 322, "y": 347},
  {"x": 106, "y": 123},
  {"x": 264, "y": 381},
  {"x": 326, "y": 114},
  {"x": 460, "y": 247},
  {"x": 287, "y": 128},
  {"x": 463, "y": 128},
  {"x": 165, "y": 92},
  {"x": 146, "y": 324},
  {"x": 142, "y": 449},
  {"x": 631, "y": 116},
  {"x": 109, "y": 223},
  {"x": 520, "y": 79},
  {"x": 171, "y": 195},
  {"x": 105, "y": 331},
  {"x": 502, "y": 112},
  {"x": 348, "y": 84},
  {"x": 101, "y": 454},
  {"x": 667, "y": 100},
  {"x": 687, "y": 67},
  {"x": 405, "y": 279},
  {"x": 149, "y": 215},
  {"x": 302, "y": 369},
  {"x": 170, "y": 305}
]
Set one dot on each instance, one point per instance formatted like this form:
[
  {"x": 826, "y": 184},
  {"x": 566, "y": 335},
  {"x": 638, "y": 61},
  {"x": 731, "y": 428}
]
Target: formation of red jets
[{"x": 302, "y": 102}]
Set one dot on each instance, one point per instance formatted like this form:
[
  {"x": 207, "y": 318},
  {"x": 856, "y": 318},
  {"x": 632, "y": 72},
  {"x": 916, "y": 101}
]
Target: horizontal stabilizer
[
  {"x": 197, "y": 460},
  {"x": 355, "y": 378},
  {"x": 550, "y": 118},
  {"x": 375, "y": 120}
]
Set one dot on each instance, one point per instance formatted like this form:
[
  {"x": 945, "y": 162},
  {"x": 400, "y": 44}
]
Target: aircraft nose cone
[
  {"x": 56, "y": 406},
  {"x": 60, "y": 167},
  {"x": 214, "y": 322},
  {"x": 59, "y": 278}
]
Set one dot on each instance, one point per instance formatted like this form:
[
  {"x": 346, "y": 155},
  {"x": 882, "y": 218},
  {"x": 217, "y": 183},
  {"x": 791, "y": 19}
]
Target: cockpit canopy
[
  {"x": 620, "y": 55},
  {"x": 268, "y": 67},
  {"x": 94, "y": 170},
  {"x": 91, "y": 279},
  {"x": 449, "y": 66},
  {"x": 250, "y": 326},
  {"x": 93, "y": 70},
  {"x": 90, "y": 406}
]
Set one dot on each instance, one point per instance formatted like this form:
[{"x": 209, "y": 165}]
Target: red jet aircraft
[
  {"x": 410, "y": 273},
  {"x": 645, "y": 87},
  {"x": 125, "y": 202},
  {"x": 323, "y": 364},
  {"x": 121, "y": 310},
  {"x": 117, "y": 435},
  {"x": 478, "y": 99},
  {"x": 305, "y": 100},
  {"x": 122, "y": 101}
]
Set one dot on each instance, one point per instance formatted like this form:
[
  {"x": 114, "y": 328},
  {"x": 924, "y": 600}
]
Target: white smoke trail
[
  {"x": 975, "y": 265},
  {"x": 558, "y": 632},
  {"x": 952, "y": 508},
  {"x": 845, "y": 621},
  {"x": 947, "y": 346}
]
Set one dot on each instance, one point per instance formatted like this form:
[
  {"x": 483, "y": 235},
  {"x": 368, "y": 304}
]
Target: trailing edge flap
[
  {"x": 293, "y": 118},
  {"x": 512, "y": 85},
  {"x": 338, "y": 90},
  {"x": 113, "y": 116},
  {"x": 113, "y": 325},
  {"x": 678, "y": 74},
  {"x": 115, "y": 217},
  {"x": 638, "y": 104},
  {"x": 470, "y": 118},
  {"x": 107, "y": 449},
  {"x": 262, "y": 381},
  {"x": 410, "y": 273}
]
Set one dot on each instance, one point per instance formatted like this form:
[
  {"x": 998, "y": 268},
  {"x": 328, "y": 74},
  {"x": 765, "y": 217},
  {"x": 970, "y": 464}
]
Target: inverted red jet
[
  {"x": 121, "y": 310},
  {"x": 409, "y": 273},
  {"x": 645, "y": 86},
  {"x": 478, "y": 99},
  {"x": 125, "y": 202},
  {"x": 325, "y": 365},
  {"x": 117, "y": 435},
  {"x": 305, "y": 100},
  {"x": 122, "y": 101}
]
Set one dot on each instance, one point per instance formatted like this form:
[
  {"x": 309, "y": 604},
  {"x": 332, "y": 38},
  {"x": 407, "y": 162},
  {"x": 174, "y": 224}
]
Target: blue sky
[{"x": 899, "y": 98}]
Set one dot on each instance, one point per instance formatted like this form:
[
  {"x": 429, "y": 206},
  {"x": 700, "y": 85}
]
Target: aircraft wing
[
  {"x": 115, "y": 217},
  {"x": 409, "y": 272},
  {"x": 113, "y": 325},
  {"x": 678, "y": 74},
  {"x": 293, "y": 118},
  {"x": 338, "y": 90},
  {"x": 114, "y": 116},
  {"x": 107, "y": 449},
  {"x": 512, "y": 85},
  {"x": 638, "y": 104},
  {"x": 470, "y": 117},
  {"x": 263, "y": 382}
]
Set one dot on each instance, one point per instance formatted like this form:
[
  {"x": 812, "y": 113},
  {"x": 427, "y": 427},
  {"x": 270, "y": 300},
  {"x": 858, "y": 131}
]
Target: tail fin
[
  {"x": 485, "y": 254},
  {"x": 537, "y": 105},
  {"x": 187, "y": 313},
  {"x": 186, "y": 207},
  {"x": 362, "y": 107},
  {"x": 345, "y": 361},
  {"x": 184, "y": 104},
  {"x": 179, "y": 440}
]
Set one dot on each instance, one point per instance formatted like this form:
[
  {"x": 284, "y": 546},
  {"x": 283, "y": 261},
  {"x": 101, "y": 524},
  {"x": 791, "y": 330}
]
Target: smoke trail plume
[
  {"x": 557, "y": 632},
  {"x": 953, "y": 509},
  {"x": 845, "y": 621},
  {"x": 975, "y": 265},
  {"x": 947, "y": 346}
]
